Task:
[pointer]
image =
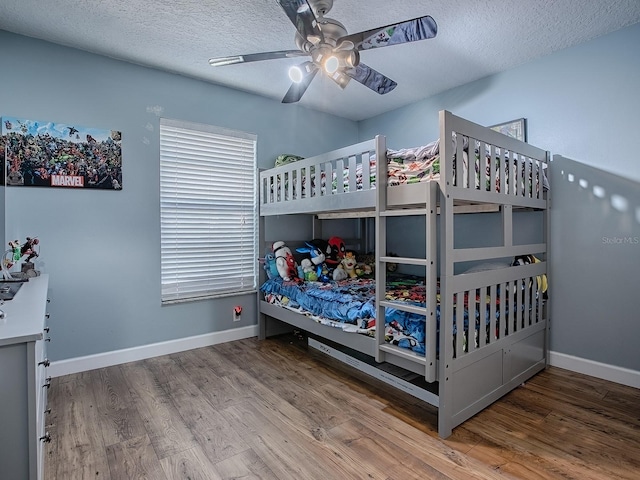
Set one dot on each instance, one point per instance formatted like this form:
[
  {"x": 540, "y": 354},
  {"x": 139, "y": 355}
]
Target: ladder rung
[
  {"x": 404, "y": 212},
  {"x": 405, "y": 260},
  {"x": 405, "y": 307},
  {"x": 404, "y": 353}
]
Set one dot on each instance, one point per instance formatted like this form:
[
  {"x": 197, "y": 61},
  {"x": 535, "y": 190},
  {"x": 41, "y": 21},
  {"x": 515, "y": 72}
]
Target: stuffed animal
[
  {"x": 335, "y": 251},
  {"x": 541, "y": 280},
  {"x": 348, "y": 265},
  {"x": 366, "y": 264},
  {"x": 307, "y": 270},
  {"x": 269, "y": 265},
  {"x": 315, "y": 258},
  {"x": 285, "y": 262},
  {"x": 315, "y": 255},
  {"x": 364, "y": 269}
]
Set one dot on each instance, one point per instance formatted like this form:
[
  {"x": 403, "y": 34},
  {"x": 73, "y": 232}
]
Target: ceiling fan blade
[
  {"x": 255, "y": 57},
  {"x": 296, "y": 90},
  {"x": 371, "y": 78},
  {"x": 420, "y": 28},
  {"x": 301, "y": 15}
]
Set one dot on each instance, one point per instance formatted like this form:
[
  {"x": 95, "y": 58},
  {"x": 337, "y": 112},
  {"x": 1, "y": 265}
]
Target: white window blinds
[{"x": 208, "y": 211}]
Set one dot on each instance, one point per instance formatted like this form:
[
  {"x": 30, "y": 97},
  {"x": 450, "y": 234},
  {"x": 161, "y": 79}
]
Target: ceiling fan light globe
[
  {"x": 331, "y": 64},
  {"x": 352, "y": 59},
  {"x": 295, "y": 74}
]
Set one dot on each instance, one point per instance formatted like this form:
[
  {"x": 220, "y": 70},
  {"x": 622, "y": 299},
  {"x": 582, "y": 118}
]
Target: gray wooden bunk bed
[{"x": 472, "y": 367}]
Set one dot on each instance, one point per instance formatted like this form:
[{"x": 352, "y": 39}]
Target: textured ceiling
[{"x": 475, "y": 38}]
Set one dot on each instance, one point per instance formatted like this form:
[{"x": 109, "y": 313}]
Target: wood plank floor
[{"x": 271, "y": 410}]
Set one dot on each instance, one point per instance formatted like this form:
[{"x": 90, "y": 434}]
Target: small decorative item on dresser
[{"x": 29, "y": 249}]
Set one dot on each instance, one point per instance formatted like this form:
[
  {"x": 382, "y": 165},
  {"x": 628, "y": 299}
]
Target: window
[{"x": 208, "y": 211}]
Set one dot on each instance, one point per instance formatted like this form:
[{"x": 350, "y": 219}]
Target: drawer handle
[
  {"x": 46, "y": 438},
  {"x": 47, "y": 411},
  {"x": 47, "y": 382},
  {"x": 46, "y": 329},
  {"x": 47, "y": 315},
  {"x": 45, "y": 362},
  {"x": 48, "y": 339}
]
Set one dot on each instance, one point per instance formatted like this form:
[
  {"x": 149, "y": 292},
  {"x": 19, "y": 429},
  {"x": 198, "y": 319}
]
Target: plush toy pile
[{"x": 319, "y": 261}]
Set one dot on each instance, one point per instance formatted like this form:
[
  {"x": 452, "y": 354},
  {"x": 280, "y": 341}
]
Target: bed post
[
  {"x": 381, "y": 243},
  {"x": 431, "y": 255},
  {"x": 547, "y": 238},
  {"x": 445, "y": 367},
  {"x": 262, "y": 318}
]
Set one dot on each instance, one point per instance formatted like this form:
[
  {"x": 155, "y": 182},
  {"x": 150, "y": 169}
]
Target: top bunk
[{"x": 500, "y": 171}]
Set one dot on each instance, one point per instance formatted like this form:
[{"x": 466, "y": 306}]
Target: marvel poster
[{"x": 47, "y": 154}]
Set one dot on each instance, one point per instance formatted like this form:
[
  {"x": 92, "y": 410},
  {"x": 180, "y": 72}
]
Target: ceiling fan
[{"x": 332, "y": 50}]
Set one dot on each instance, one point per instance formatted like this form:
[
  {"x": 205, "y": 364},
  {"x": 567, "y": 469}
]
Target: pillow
[{"x": 285, "y": 159}]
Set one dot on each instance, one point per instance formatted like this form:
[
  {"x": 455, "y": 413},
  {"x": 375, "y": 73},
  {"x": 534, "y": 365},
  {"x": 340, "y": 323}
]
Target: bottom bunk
[
  {"x": 490, "y": 311},
  {"x": 502, "y": 340}
]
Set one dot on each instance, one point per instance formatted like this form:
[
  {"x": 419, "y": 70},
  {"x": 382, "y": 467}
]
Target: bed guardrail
[
  {"x": 496, "y": 168},
  {"x": 321, "y": 183},
  {"x": 508, "y": 301}
]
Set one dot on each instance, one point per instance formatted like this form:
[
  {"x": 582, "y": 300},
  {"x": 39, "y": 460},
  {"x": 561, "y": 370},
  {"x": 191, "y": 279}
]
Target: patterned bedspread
[{"x": 350, "y": 305}]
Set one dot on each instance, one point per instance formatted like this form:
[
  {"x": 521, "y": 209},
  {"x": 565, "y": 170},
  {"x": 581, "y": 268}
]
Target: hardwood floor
[{"x": 270, "y": 410}]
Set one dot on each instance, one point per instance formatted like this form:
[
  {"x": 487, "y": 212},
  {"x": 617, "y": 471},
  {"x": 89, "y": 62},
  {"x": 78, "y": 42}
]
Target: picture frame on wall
[
  {"x": 50, "y": 154},
  {"x": 515, "y": 128}
]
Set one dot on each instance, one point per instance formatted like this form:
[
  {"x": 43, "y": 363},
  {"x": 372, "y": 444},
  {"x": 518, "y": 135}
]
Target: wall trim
[
  {"x": 69, "y": 366},
  {"x": 117, "y": 357},
  {"x": 611, "y": 373}
]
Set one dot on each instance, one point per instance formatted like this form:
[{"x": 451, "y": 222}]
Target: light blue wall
[
  {"x": 595, "y": 264},
  {"x": 582, "y": 103},
  {"x": 102, "y": 248}
]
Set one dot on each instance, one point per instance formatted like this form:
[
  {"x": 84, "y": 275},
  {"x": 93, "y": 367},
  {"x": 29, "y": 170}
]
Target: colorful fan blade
[
  {"x": 371, "y": 78},
  {"x": 255, "y": 57},
  {"x": 421, "y": 28},
  {"x": 302, "y": 17}
]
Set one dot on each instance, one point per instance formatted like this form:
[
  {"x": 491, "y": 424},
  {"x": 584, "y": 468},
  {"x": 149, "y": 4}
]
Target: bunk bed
[{"x": 470, "y": 363}]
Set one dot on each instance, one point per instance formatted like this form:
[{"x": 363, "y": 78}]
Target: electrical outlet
[{"x": 237, "y": 313}]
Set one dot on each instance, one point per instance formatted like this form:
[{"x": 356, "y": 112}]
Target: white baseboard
[
  {"x": 117, "y": 357},
  {"x": 69, "y": 366},
  {"x": 611, "y": 373}
]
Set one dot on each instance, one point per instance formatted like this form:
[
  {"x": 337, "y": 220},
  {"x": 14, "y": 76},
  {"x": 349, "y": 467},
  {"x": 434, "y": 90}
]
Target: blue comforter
[{"x": 352, "y": 301}]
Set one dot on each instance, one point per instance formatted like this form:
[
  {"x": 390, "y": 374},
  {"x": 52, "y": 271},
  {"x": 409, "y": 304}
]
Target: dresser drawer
[{"x": 23, "y": 377}]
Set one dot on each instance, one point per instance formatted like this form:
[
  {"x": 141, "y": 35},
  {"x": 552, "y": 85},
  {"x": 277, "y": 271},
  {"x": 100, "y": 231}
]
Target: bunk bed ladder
[{"x": 385, "y": 351}]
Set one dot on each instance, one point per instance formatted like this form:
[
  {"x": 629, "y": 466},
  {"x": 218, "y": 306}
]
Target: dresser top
[{"x": 24, "y": 315}]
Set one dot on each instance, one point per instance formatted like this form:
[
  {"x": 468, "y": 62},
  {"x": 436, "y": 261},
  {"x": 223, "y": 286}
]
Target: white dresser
[{"x": 24, "y": 334}]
